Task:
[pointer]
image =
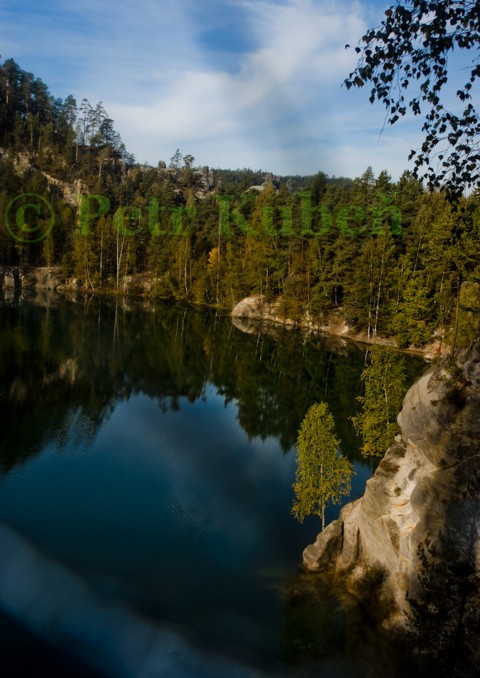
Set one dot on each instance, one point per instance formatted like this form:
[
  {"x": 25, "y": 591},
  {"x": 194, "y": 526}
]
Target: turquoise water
[{"x": 147, "y": 460}]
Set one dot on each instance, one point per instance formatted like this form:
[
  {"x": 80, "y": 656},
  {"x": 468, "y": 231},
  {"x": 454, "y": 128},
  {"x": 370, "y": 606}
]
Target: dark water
[{"x": 146, "y": 468}]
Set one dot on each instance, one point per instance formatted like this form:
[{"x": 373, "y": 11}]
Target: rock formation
[
  {"x": 257, "y": 308},
  {"x": 416, "y": 530},
  {"x": 269, "y": 181},
  {"x": 202, "y": 181},
  {"x": 33, "y": 278}
]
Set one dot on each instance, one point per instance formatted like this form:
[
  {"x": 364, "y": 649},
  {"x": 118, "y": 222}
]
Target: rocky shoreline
[
  {"x": 36, "y": 278},
  {"x": 252, "y": 308},
  {"x": 412, "y": 542}
]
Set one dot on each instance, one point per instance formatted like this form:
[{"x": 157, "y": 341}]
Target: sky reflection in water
[{"x": 142, "y": 489}]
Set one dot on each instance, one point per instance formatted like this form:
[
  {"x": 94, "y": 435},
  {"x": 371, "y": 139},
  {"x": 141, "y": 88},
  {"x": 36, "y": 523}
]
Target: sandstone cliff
[
  {"x": 416, "y": 530},
  {"x": 256, "y": 308}
]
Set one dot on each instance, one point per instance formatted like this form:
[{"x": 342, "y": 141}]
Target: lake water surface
[{"x": 146, "y": 466}]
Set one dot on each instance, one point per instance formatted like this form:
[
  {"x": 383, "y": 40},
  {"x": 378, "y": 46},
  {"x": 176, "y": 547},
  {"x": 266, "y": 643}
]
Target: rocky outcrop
[
  {"x": 37, "y": 278},
  {"x": 201, "y": 181},
  {"x": 270, "y": 181},
  {"x": 256, "y": 308},
  {"x": 206, "y": 178},
  {"x": 420, "y": 510},
  {"x": 10, "y": 278}
]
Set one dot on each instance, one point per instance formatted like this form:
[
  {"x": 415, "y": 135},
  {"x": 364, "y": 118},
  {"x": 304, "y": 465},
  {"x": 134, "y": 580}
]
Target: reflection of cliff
[{"x": 413, "y": 539}]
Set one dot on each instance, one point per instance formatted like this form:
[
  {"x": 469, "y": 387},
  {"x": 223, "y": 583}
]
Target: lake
[{"x": 147, "y": 455}]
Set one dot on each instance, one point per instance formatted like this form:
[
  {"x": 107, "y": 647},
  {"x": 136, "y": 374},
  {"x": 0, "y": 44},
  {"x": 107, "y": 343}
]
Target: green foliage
[
  {"x": 409, "y": 322},
  {"x": 33, "y": 120},
  {"x": 445, "y": 602},
  {"x": 176, "y": 160},
  {"x": 384, "y": 389},
  {"x": 410, "y": 51},
  {"x": 469, "y": 314},
  {"x": 327, "y": 249},
  {"x": 323, "y": 475}
]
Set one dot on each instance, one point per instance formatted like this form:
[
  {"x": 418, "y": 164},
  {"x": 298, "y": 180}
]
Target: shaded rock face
[
  {"x": 202, "y": 181},
  {"x": 40, "y": 278},
  {"x": 10, "y": 278},
  {"x": 418, "y": 523},
  {"x": 207, "y": 178}
]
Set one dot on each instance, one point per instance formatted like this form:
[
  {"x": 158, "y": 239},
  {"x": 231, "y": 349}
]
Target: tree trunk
[
  {"x": 457, "y": 310},
  {"x": 379, "y": 291},
  {"x": 369, "y": 329}
]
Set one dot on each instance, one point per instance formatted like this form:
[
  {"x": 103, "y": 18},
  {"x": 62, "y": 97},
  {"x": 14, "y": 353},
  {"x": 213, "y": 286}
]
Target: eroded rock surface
[{"x": 420, "y": 511}]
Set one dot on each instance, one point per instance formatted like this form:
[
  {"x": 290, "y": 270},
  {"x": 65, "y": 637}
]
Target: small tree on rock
[
  {"x": 176, "y": 160},
  {"x": 323, "y": 474}
]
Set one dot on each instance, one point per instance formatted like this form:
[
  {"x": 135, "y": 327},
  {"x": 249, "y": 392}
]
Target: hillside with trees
[{"x": 388, "y": 257}]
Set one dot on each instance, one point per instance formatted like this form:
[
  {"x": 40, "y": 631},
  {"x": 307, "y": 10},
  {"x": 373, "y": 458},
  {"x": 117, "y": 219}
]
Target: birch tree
[{"x": 323, "y": 473}]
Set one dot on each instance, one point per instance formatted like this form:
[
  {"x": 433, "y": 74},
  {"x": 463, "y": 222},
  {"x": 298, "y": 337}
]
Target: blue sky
[{"x": 236, "y": 83}]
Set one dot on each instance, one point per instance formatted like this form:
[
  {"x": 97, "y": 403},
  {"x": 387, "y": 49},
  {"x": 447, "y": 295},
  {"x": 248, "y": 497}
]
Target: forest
[{"x": 389, "y": 257}]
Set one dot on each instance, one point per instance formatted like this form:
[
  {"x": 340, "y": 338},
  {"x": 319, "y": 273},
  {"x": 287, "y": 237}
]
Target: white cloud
[
  {"x": 303, "y": 38},
  {"x": 165, "y": 84},
  {"x": 279, "y": 98}
]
